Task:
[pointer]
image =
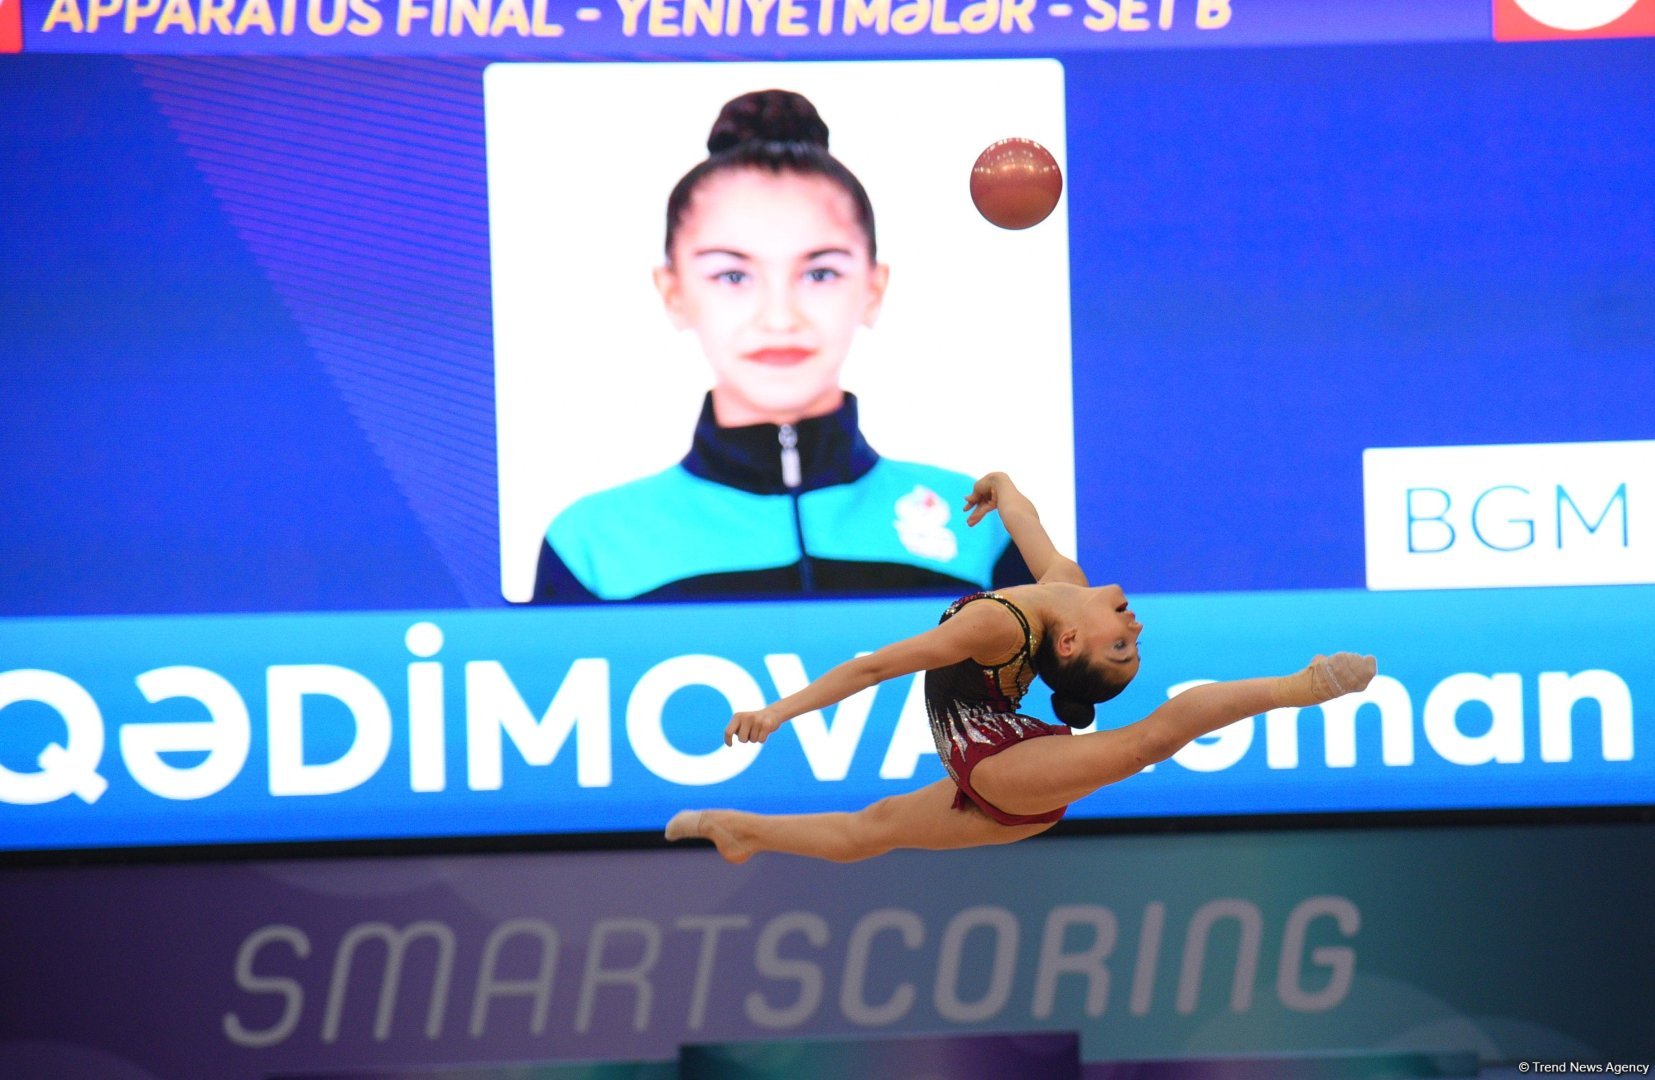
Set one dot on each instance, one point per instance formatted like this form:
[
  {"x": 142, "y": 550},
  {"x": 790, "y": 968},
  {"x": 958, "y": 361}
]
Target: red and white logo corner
[
  {"x": 11, "y": 26},
  {"x": 1555, "y": 20}
]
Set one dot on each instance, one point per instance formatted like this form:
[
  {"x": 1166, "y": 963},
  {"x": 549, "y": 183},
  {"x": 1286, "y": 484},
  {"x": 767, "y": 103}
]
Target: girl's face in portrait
[{"x": 772, "y": 273}]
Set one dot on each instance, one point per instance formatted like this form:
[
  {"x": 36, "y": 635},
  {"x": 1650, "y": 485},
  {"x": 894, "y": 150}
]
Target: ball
[{"x": 1016, "y": 183}]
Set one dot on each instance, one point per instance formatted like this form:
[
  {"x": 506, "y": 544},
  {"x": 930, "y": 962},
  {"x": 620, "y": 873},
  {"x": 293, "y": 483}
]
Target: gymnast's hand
[
  {"x": 751, "y": 726},
  {"x": 985, "y": 496}
]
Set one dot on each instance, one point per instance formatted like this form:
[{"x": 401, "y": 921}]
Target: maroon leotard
[{"x": 973, "y": 711}]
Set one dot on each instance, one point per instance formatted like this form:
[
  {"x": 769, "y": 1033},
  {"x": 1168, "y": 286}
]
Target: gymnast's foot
[
  {"x": 1326, "y": 678},
  {"x": 711, "y": 825}
]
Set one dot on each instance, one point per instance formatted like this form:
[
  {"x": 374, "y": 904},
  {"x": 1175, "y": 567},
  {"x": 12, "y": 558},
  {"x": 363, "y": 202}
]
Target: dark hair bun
[
  {"x": 767, "y": 116},
  {"x": 1074, "y": 713}
]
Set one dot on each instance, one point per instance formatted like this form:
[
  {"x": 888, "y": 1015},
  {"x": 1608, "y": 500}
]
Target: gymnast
[{"x": 1009, "y": 776}]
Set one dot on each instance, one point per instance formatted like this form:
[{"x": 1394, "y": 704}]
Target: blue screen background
[
  {"x": 1279, "y": 257},
  {"x": 246, "y": 368}
]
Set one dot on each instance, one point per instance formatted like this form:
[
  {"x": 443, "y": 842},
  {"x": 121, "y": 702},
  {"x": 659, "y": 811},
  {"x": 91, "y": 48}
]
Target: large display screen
[{"x": 361, "y": 479}]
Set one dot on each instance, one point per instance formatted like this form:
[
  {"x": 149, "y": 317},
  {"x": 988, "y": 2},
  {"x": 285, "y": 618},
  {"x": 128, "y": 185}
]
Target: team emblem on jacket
[{"x": 922, "y": 525}]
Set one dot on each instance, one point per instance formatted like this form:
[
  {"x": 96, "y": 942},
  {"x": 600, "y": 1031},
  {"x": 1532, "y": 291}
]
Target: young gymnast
[{"x": 1008, "y": 777}]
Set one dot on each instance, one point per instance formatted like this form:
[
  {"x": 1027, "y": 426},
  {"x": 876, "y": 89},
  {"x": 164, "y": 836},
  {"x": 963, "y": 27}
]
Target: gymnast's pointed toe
[{"x": 685, "y": 825}]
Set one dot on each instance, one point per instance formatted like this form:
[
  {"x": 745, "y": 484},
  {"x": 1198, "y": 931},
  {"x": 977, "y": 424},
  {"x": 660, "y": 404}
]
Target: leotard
[{"x": 973, "y": 712}]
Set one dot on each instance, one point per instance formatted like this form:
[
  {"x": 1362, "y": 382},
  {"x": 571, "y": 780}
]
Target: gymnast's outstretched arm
[
  {"x": 996, "y": 491},
  {"x": 974, "y": 631}
]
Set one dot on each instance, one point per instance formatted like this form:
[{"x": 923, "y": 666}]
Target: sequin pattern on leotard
[{"x": 976, "y": 704}]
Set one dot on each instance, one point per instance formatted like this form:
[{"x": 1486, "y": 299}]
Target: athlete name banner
[
  {"x": 699, "y": 28},
  {"x": 1503, "y": 944},
  {"x": 236, "y": 729}
]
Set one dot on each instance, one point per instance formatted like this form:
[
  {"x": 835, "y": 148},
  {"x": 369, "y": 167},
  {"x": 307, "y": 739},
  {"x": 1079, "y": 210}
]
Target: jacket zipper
[{"x": 792, "y": 478}]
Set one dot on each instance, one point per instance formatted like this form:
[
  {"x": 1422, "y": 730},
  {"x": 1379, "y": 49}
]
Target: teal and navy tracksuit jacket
[{"x": 776, "y": 510}]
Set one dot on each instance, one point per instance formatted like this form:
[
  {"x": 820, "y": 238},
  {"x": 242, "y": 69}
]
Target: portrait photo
[{"x": 752, "y": 337}]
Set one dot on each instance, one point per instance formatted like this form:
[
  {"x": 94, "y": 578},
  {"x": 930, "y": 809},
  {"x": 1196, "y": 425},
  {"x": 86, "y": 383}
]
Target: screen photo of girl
[{"x": 772, "y": 269}]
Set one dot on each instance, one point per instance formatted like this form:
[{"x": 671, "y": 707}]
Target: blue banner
[{"x": 223, "y": 729}]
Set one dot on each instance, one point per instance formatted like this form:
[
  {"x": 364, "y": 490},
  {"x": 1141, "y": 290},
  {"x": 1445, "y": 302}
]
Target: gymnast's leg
[
  {"x": 923, "y": 819},
  {"x": 1039, "y": 775}
]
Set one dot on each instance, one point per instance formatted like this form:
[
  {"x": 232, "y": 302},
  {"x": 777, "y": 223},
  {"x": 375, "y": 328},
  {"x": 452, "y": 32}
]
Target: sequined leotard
[{"x": 973, "y": 711}]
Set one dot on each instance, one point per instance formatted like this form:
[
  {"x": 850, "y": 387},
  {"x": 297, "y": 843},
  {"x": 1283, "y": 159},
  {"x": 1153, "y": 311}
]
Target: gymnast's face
[
  {"x": 771, "y": 271},
  {"x": 1107, "y": 631}
]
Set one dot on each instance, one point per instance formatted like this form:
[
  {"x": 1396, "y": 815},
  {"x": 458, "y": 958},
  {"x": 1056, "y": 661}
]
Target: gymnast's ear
[{"x": 1066, "y": 642}]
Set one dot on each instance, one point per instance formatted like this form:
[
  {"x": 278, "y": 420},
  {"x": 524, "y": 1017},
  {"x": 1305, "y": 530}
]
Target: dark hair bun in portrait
[
  {"x": 1076, "y": 714},
  {"x": 780, "y": 116},
  {"x": 776, "y": 132}
]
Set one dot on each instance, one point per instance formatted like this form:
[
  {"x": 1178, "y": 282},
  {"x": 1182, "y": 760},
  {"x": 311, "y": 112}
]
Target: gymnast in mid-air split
[{"x": 1009, "y": 776}]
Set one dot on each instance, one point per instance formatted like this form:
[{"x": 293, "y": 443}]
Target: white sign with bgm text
[{"x": 1461, "y": 517}]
